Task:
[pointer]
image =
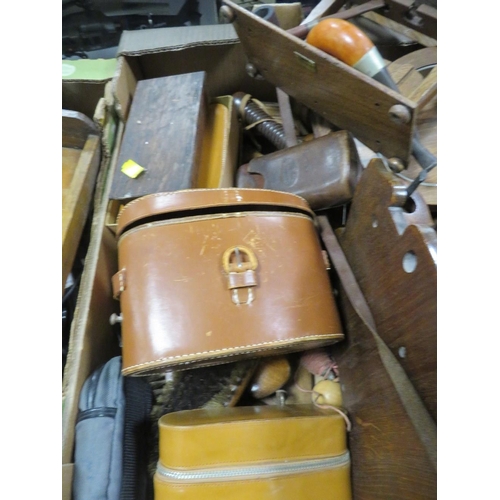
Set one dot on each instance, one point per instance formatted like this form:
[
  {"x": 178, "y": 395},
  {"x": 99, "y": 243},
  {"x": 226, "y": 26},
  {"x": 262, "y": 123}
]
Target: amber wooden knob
[
  {"x": 341, "y": 39},
  {"x": 327, "y": 392},
  {"x": 271, "y": 375}
]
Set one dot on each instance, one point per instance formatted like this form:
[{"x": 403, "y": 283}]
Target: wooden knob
[
  {"x": 271, "y": 375},
  {"x": 341, "y": 39},
  {"x": 327, "y": 392},
  {"x": 396, "y": 165},
  {"x": 400, "y": 114}
]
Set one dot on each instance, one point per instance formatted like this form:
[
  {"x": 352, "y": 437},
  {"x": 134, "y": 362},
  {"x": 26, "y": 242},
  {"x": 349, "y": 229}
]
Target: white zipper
[{"x": 235, "y": 473}]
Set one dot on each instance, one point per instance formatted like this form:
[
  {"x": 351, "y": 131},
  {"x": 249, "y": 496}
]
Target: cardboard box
[
  {"x": 143, "y": 54},
  {"x": 86, "y": 89}
]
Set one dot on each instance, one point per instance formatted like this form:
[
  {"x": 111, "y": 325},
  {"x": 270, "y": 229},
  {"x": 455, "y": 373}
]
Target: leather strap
[
  {"x": 287, "y": 117},
  {"x": 242, "y": 280},
  {"x": 423, "y": 423},
  {"x": 118, "y": 283}
]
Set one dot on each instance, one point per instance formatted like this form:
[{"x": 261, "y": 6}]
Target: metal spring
[{"x": 271, "y": 130}]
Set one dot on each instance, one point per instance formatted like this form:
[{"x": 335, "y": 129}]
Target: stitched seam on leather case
[
  {"x": 284, "y": 343},
  {"x": 198, "y": 218}
]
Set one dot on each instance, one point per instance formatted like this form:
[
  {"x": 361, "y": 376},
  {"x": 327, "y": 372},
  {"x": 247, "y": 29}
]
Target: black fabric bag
[
  {"x": 99, "y": 435},
  {"x": 137, "y": 440}
]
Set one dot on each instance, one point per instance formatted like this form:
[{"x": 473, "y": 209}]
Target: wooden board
[
  {"x": 81, "y": 156},
  {"x": 164, "y": 135},
  {"x": 389, "y": 458},
  {"x": 389, "y": 461},
  {"x": 342, "y": 95},
  {"x": 403, "y": 304}
]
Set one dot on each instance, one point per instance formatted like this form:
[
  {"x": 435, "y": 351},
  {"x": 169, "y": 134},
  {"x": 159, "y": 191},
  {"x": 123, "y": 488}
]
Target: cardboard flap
[{"x": 134, "y": 43}]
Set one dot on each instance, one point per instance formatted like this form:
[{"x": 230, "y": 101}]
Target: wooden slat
[
  {"x": 390, "y": 460},
  {"x": 214, "y": 147},
  {"x": 75, "y": 129},
  {"x": 91, "y": 338},
  {"x": 415, "y": 35},
  {"x": 406, "y": 77},
  {"x": 67, "y": 480},
  {"x": 344, "y": 96},
  {"x": 77, "y": 194},
  {"x": 403, "y": 303},
  {"x": 323, "y": 8},
  {"x": 70, "y": 157},
  {"x": 427, "y": 90}
]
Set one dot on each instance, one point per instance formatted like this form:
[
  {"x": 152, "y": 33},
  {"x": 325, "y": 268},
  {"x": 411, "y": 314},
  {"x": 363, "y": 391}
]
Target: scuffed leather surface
[
  {"x": 177, "y": 308},
  {"x": 176, "y": 305}
]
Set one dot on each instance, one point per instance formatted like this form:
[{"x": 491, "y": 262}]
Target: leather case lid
[
  {"x": 196, "y": 199},
  {"x": 249, "y": 435}
]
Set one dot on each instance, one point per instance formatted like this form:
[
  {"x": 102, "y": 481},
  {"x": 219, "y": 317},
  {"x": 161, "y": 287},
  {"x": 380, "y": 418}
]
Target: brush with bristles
[{"x": 206, "y": 387}]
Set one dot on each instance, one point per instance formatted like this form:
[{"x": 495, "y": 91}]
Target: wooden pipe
[{"x": 349, "y": 44}]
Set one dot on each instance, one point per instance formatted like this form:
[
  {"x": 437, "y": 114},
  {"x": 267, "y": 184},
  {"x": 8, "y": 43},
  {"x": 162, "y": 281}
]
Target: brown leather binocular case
[{"x": 208, "y": 276}]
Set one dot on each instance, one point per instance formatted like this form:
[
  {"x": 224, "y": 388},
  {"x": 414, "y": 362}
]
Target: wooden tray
[{"x": 81, "y": 154}]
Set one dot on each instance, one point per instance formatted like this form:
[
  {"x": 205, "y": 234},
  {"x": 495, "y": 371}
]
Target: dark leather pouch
[{"x": 324, "y": 171}]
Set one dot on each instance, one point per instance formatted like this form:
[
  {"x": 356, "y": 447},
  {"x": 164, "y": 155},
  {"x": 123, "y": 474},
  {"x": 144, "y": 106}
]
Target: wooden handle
[{"x": 341, "y": 39}]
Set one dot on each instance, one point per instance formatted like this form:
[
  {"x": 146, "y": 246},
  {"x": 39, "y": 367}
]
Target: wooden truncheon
[{"x": 208, "y": 276}]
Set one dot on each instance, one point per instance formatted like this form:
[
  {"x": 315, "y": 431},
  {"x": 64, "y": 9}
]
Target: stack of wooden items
[{"x": 276, "y": 278}]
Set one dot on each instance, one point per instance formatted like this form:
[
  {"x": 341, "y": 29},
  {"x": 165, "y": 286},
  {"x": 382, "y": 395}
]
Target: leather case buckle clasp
[{"x": 240, "y": 263}]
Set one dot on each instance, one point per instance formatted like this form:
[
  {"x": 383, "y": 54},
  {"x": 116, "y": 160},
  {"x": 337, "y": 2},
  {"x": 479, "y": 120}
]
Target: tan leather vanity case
[
  {"x": 208, "y": 276},
  {"x": 294, "y": 452}
]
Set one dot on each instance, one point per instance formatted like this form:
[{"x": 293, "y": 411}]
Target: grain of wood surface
[
  {"x": 389, "y": 458},
  {"x": 164, "y": 135}
]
